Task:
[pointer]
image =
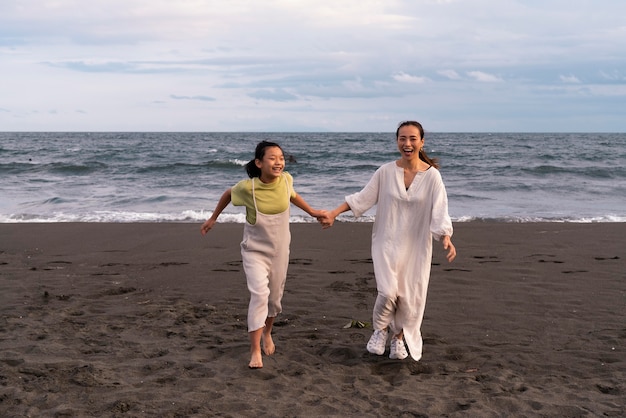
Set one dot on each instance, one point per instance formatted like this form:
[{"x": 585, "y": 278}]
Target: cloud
[
  {"x": 93, "y": 67},
  {"x": 403, "y": 77},
  {"x": 276, "y": 95},
  {"x": 570, "y": 79},
  {"x": 484, "y": 77},
  {"x": 450, "y": 74},
  {"x": 612, "y": 76},
  {"x": 200, "y": 98}
]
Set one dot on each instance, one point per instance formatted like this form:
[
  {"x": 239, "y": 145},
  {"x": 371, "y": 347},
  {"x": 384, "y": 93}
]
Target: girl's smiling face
[{"x": 272, "y": 164}]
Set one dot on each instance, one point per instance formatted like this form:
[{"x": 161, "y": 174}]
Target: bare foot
[
  {"x": 256, "y": 360},
  {"x": 268, "y": 344}
]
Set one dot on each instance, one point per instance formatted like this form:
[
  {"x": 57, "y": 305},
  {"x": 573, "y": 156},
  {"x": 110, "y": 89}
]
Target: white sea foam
[{"x": 191, "y": 216}]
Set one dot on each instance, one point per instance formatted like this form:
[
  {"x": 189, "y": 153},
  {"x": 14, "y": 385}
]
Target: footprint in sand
[
  {"x": 361, "y": 261},
  {"x": 543, "y": 260},
  {"x": 341, "y": 286},
  {"x": 118, "y": 291},
  {"x": 486, "y": 259},
  {"x": 301, "y": 261},
  {"x": 236, "y": 263},
  {"x": 57, "y": 265}
]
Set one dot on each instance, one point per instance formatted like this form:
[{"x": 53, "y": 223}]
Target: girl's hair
[
  {"x": 259, "y": 153},
  {"x": 422, "y": 154}
]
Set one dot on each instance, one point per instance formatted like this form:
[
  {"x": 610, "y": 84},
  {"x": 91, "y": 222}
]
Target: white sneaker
[
  {"x": 377, "y": 342},
  {"x": 398, "y": 349}
]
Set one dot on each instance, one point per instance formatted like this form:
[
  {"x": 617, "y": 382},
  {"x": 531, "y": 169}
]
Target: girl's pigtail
[{"x": 252, "y": 170}]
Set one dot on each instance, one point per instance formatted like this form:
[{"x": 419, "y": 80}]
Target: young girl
[{"x": 266, "y": 238}]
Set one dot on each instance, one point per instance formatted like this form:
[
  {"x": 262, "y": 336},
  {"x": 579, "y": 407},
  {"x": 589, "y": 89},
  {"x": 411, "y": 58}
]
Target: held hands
[
  {"x": 447, "y": 245},
  {"x": 326, "y": 218}
]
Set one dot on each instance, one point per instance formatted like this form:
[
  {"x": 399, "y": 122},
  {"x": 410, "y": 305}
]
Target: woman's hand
[{"x": 447, "y": 245}]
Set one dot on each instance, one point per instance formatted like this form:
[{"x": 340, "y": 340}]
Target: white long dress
[{"x": 406, "y": 222}]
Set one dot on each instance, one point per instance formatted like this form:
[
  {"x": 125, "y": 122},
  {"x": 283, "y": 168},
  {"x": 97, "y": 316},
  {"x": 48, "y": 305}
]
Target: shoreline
[
  {"x": 145, "y": 319},
  {"x": 299, "y": 217}
]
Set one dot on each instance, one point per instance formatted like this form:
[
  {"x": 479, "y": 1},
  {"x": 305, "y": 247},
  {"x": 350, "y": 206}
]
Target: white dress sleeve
[
  {"x": 364, "y": 200},
  {"x": 440, "y": 223}
]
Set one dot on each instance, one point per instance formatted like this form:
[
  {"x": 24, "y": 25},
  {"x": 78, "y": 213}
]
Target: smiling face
[
  {"x": 271, "y": 165},
  {"x": 410, "y": 142}
]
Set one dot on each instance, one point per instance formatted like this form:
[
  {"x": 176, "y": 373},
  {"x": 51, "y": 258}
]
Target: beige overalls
[{"x": 265, "y": 254}]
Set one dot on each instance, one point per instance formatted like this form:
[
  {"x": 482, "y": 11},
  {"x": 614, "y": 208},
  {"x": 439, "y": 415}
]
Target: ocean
[{"x": 179, "y": 177}]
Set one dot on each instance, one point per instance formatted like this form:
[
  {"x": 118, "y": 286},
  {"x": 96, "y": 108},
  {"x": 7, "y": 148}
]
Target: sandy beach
[{"x": 149, "y": 319}]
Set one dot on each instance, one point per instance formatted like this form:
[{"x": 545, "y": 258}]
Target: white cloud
[
  {"x": 571, "y": 79},
  {"x": 450, "y": 74},
  {"x": 614, "y": 75},
  {"x": 618, "y": 91},
  {"x": 278, "y": 95},
  {"x": 403, "y": 77},
  {"x": 200, "y": 98},
  {"x": 484, "y": 77}
]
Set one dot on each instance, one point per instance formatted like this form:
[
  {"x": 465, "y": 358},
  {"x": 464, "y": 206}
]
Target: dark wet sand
[{"x": 134, "y": 320}]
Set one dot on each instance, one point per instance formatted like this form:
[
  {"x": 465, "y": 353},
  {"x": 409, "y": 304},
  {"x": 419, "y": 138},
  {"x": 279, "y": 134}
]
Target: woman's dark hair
[
  {"x": 422, "y": 154},
  {"x": 259, "y": 153}
]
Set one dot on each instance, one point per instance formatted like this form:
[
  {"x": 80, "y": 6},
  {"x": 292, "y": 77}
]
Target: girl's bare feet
[
  {"x": 268, "y": 343},
  {"x": 256, "y": 359},
  {"x": 261, "y": 337}
]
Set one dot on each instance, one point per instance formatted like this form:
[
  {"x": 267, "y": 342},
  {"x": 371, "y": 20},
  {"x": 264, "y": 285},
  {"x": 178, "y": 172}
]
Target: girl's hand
[
  {"x": 320, "y": 215},
  {"x": 207, "y": 225},
  {"x": 447, "y": 245}
]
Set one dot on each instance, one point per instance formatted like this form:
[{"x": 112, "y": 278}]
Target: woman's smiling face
[{"x": 410, "y": 142}]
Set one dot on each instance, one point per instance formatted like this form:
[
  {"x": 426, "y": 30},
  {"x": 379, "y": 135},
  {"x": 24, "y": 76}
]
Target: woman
[{"x": 411, "y": 209}]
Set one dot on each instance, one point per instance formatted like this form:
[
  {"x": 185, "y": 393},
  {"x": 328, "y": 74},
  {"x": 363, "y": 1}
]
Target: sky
[{"x": 313, "y": 65}]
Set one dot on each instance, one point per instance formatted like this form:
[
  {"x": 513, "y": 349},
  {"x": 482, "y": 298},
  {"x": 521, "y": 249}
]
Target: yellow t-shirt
[{"x": 271, "y": 198}]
